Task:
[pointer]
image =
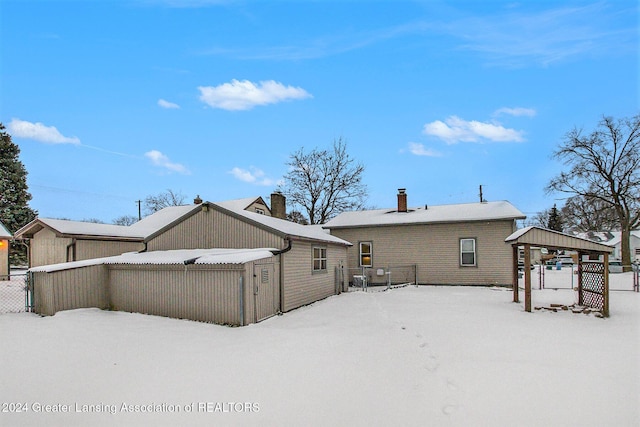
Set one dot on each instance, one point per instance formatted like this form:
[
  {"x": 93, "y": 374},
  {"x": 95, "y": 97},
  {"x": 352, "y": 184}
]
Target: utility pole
[{"x": 139, "y": 202}]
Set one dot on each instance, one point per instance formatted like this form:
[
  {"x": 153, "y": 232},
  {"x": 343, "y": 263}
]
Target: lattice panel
[{"x": 592, "y": 276}]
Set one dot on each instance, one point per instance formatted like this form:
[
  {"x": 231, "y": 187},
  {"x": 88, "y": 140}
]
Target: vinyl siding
[
  {"x": 183, "y": 293},
  {"x": 89, "y": 249},
  {"x": 303, "y": 286},
  {"x": 435, "y": 249},
  {"x": 213, "y": 229},
  {"x": 46, "y": 248}
]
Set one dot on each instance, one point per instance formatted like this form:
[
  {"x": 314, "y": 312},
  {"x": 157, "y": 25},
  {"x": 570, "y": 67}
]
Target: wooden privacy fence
[{"x": 222, "y": 293}]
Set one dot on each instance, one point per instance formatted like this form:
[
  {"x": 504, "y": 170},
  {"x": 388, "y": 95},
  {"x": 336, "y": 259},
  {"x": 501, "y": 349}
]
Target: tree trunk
[{"x": 625, "y": 250}]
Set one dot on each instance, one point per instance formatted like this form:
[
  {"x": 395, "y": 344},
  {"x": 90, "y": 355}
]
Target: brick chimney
[
  {"x": 278, "y": 205},
  {"x": 402, "y": 200},
  {"x": 197, "y": 200}
]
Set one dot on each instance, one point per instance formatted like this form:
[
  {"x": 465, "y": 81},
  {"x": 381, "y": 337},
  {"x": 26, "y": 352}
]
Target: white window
[
  {"x": 260, "y": 211},
  {"x": 319, "y": 259},
  {"x": 366, "y": 258},
  {"x": 468, "y": 252}
]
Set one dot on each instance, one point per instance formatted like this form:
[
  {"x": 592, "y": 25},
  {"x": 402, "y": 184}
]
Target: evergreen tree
[
  {"x": 555, "y": 221},
  {"x": 14, "y": 197}
]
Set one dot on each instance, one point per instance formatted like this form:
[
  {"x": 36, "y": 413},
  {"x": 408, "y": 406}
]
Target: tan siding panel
[
  {"x": 89, "y": 249},
  {"x": 302, "y": 285},
  {"x": 193, "y": 293},
  {"x": 435, "y": 249},
  {"x": 214, "y": 229},
  {"x": 47, "y": 249},
  {"x": 70, "y": 289}
]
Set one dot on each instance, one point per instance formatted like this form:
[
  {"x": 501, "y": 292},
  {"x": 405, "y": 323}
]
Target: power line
[{"x": 87, "y": 193}]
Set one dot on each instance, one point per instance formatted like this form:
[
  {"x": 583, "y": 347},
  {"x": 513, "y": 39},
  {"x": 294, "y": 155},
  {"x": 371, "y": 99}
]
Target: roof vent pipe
[
  {"x": 402, "y": 200},
  {"x": 197, "y": 200}
]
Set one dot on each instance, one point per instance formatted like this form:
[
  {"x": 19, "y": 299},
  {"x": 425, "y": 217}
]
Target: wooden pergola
[{"x": 593, "y": 279}]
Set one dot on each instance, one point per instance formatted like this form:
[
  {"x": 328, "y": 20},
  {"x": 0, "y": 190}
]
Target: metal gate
[
  {"x": 15, "y": 293},
  {"x": 264, "y": 291},
  {"x": 591, "y": 285}
]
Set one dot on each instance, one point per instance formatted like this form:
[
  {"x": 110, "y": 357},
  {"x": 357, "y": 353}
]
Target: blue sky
[{"x": 112, "y": 101}]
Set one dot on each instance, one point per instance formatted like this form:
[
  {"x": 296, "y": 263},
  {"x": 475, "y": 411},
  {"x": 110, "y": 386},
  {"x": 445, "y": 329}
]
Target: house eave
[{"x": 420, "y": 223}]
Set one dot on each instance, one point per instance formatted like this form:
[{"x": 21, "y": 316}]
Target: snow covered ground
[{"x": 427, "y": 356}]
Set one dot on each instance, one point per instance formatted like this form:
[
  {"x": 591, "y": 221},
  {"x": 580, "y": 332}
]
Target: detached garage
[{"x": 224, "y": 286}]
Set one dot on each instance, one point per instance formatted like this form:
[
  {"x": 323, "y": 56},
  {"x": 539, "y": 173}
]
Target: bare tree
[
  {"x": 93, "y": 220},
  {"x": 540, "y": 219},
  {"x": 159, "y": 201},
  {"x": 583, "y": 214},
  {"x": 125, "y": 220},
  {"x": 324, "y": 183},
  {"x": 297, "y": 216},
  {"x": 605, "y": 166}
]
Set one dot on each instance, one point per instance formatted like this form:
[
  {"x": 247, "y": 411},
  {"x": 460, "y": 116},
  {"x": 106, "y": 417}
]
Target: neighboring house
[
  {"x": 449, "y": 245},
  {"x": 5, "y": 238},
  {"x": 300, "y": 264},
  {"x": 614, "y": 238}
]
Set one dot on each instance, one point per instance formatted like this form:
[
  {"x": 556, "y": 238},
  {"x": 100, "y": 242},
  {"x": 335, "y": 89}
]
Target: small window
[
  {"x": 319, "y": 259},
  {"x": 260, "y": 211},
  {"x": 366, "y": 258},
  {"x": 468, "y": 252}
]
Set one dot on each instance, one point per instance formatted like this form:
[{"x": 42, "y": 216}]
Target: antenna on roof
[{"x": 482, "y": 200}]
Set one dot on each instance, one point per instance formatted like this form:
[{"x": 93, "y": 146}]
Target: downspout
[
  {"x": 241, "y": 299},
  {"x": 280, "y": 252},
  {"x": 71, "y": 246}
]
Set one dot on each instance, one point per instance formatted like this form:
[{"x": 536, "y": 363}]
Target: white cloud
[
  {"x": 252, "y": 176},
  {"x": 244, "y": 95},
  {"x": 455, "y": 129},
  {"x": 39, "y": 132},
  {"x": 161, "y": 160},
  {"x": 166, "y": 104},
  {"x": 517, "y": 111},
  {"x": 420, "y": 150}
]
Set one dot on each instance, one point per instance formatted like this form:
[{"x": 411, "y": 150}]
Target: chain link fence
[{"x": 13, "y": 293}]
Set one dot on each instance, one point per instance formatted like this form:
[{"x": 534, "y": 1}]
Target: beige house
[
  {"x": 53, "y": 241},
  {"x": 459, "y": 244},
  {"x": 225, "y": 262},
  {"x": 5, "y": 238}
]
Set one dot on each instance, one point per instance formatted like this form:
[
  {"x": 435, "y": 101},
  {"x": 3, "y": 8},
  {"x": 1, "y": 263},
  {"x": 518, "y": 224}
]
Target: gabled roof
[
  {"x": 611, "y": 238},
  {"x": 66, "y": 228},
  {"x": 467, "y": 212},
  {"x": 155, "y": 224},
  {"x": 542, "y": 237},
  {"x": 140, "y": 231},
  {"x": 242, "y": 204},
  {"x": 160, "y": 221},
  {"x": 4, "y": 233},
  {"x": 281, "y": 227},
  {"x": 169, "y": 257}
]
